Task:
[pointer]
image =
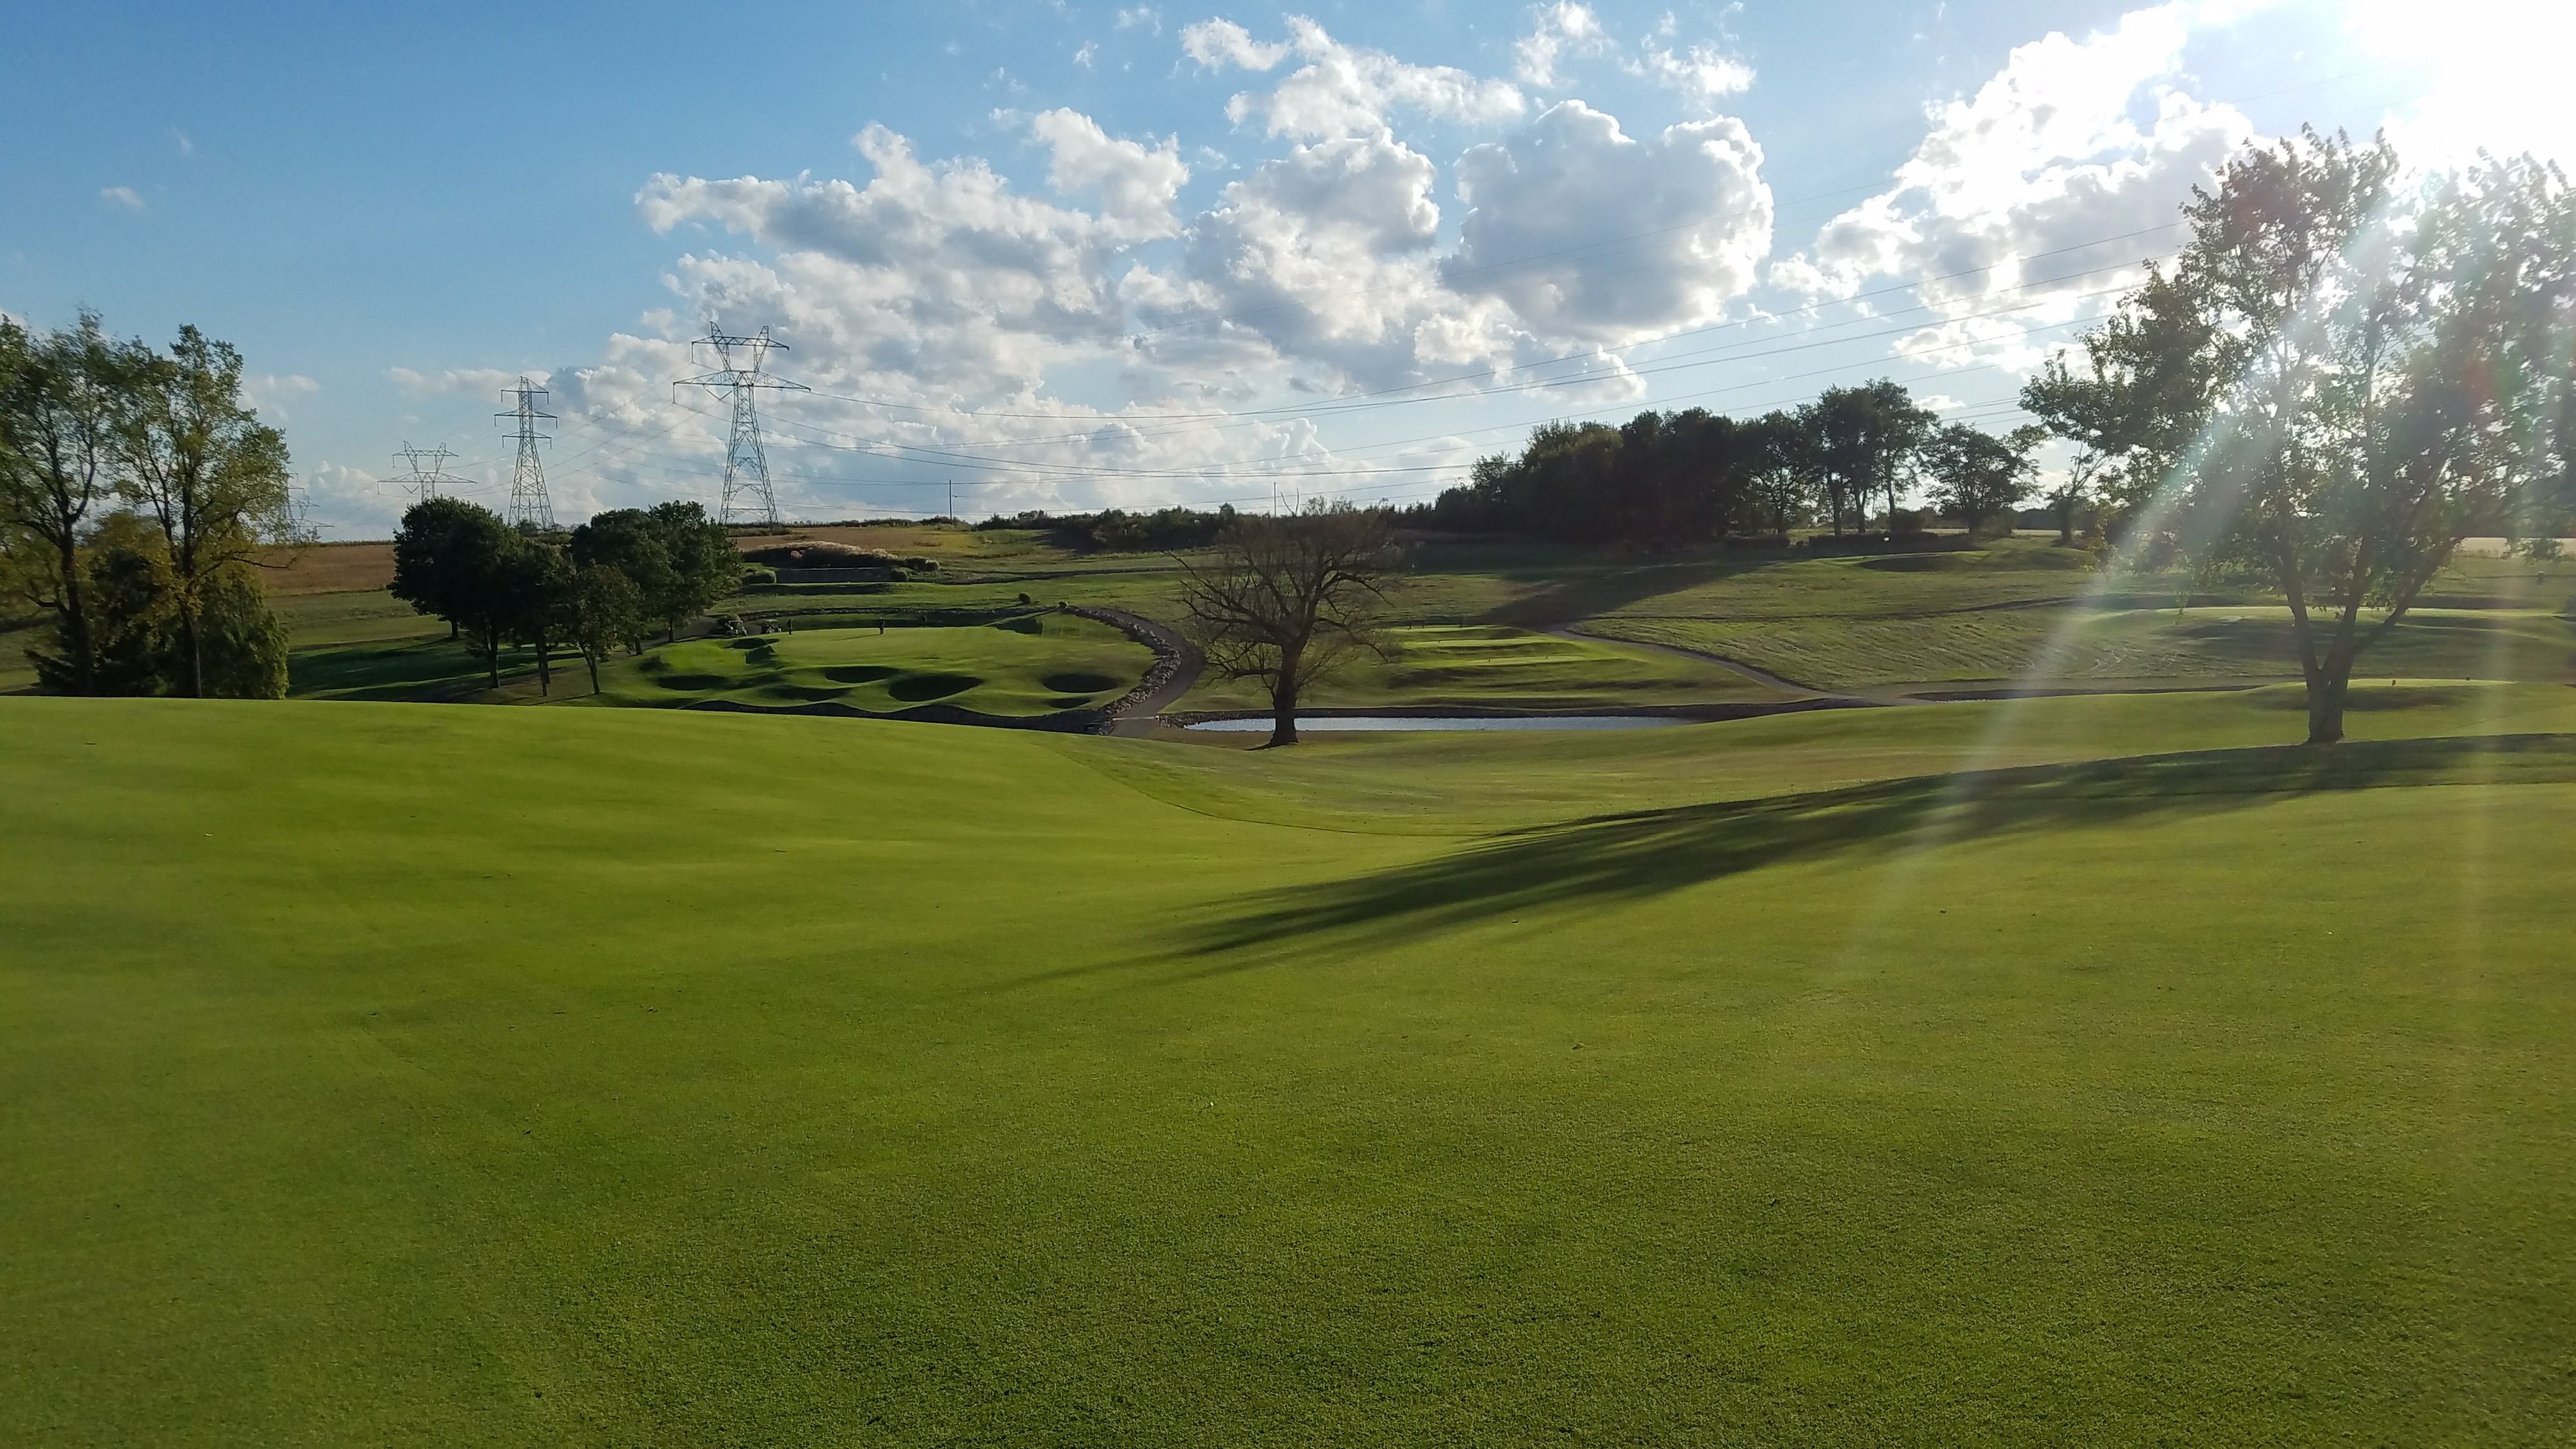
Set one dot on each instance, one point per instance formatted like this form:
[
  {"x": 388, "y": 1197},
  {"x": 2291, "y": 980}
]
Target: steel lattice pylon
[
  {"x": 428, "y": 470},
  {"x": 748, "y": 497},
  {"x": 529, "y": 506}
]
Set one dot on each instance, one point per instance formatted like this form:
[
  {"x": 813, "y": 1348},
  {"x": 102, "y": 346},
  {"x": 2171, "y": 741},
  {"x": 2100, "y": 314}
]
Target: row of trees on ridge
[{"x": 1667, "y": 478}]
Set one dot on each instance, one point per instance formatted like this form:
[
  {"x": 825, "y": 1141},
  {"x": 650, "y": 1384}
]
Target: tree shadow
[{"x": 1612, "y": 858}]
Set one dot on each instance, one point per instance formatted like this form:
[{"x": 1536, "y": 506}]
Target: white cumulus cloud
[
  {"x": 2048, "y": 159},
  {"x": 1136, "y": 183},
  {"x": 1563, "y": 29},
  {"x": 1701, "y": 73},
  {"x": 1590, "y": 233},
  {"x": 1343, "y": 90}
]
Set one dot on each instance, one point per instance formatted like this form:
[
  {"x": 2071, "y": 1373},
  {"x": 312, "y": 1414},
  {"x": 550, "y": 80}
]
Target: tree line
[
  {"x": 136, "y": 492},
  {"x": 625, "y": 574},
  {"x": 1114, "y": 530},
  {"x": 1676, "y": 478}
]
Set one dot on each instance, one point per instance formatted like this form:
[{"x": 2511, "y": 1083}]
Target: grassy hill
[
  {"x": 1489, "y": 667},
  {"x": 382, "y": 1075},
  {"x": 1028, "y": 665}
]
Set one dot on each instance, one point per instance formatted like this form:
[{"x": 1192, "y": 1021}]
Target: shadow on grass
[
  {"x": 1629, "y": 856},
  {"x": 408, "y": 669}
]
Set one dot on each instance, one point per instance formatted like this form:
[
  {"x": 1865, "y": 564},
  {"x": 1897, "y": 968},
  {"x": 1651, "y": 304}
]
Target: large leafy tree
[
  {"x": 1780, "y": 474},
  {"x": 435, "y": 560},
  {"x": 1861, "y": 444},
  {"x": 704, "y": 565},
  {"x": 534, "y": 586},
  {"x": 205, "y": 470},
  {"x": 607, "y": 613},
  {"x": 1976, "y": 476},
  {"x": 1288, "y": 599},
  {"x": 137, "y": 647},
  {"x": 2343, "y": 378},
  {"x": 450, "y": 561},
  {"x": 58, "y": 412},
  {"x": 633, "y": 542}
]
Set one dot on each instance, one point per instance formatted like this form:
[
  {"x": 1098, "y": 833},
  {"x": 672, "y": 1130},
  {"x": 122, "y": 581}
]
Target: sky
[{"x": 1070, "y": 255}]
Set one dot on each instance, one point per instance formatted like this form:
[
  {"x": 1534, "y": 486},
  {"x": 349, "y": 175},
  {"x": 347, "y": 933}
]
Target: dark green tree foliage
[
  {"x": 631, "y": 541},
  {"x": 127, "y": 599},
  {"x": 139, "y": 648},
  {"x": 2341, "y": 380},
  {"x": 1779, "y": 474},
  {"x": 1114, "y": 530},
  {"x": 450, "y": 557},
  {"x": 58, "y": 413},
  {"x": 205, "y": 470},
  {"x": 1662, "y": 479},
  {"x": 608, "y": 613},
  {"x": 1862, "y": 443},
  {"x": 704, "y": 565},
  {"x": 535, "y": 592},
  {"x": 1683, "y": 478},
  {"x": 1977, "y": 477}
]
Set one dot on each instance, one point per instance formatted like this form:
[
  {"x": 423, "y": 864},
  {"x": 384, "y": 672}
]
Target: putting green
[{"x": 630, "y": 1076}]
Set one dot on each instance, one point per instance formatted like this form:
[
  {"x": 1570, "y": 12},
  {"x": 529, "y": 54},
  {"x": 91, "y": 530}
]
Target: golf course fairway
[{"x": 406, "y": 1075}]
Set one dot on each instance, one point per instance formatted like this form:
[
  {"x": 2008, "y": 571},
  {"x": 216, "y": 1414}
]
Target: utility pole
[
  {"x": 424, "y": 482},
  {"x": 528, "y": 503},
  {"x": 748, "y": 498}
]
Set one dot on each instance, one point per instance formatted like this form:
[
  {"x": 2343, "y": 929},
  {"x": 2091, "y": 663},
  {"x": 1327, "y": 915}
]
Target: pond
[{"x": 1320, "y": 722}]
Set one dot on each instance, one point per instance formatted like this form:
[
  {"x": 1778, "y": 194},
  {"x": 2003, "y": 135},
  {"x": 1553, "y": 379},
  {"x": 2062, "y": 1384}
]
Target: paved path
[{"x": 1138, "y": 716}]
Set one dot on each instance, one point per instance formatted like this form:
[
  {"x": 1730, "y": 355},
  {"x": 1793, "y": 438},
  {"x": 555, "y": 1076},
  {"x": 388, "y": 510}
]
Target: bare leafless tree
[{"x": 1287, "y": 599}]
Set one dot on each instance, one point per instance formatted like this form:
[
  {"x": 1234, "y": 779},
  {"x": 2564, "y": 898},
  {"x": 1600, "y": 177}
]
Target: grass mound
[
  {"x": 994, "y": 671},
  {"x": 1757, "y": 1082},
  {"x": 916, "y": 688}
]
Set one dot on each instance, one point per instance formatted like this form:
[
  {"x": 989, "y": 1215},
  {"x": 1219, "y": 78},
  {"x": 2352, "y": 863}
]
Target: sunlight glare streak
[{"x": 2496, "y": 68}]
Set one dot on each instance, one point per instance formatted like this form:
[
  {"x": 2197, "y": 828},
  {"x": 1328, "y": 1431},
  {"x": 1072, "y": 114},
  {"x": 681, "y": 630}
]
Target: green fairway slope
[
  {"x": 435, "y": 1076},
  {"x": 1486, "y": 667},
  {"x": 2023, "y": 610}
]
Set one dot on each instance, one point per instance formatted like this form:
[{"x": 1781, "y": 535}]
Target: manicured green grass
[
  {"x": 2029, "y": 613},
  {"x": 1029, "y": 665},
  {"x": 1473, "y": 666},
  {"x": 384, "y": 1075}
]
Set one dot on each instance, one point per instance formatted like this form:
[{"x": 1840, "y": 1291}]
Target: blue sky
[{"x": 1075, "y": 254}]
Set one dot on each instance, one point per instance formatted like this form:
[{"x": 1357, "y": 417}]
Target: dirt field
[{"x": 328, "y": 568}]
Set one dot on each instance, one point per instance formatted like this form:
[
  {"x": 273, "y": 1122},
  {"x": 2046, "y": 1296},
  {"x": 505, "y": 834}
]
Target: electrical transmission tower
[
  {"x": 528, "y": 503},
  {"x": 428, "y": 471},
  {"x": 748, "y": 498}
]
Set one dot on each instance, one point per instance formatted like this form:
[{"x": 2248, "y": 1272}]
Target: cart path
[{"x": 1138, "y": 716}]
